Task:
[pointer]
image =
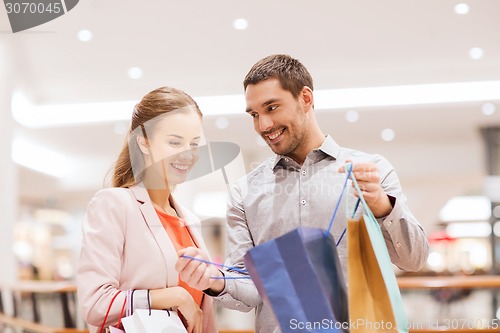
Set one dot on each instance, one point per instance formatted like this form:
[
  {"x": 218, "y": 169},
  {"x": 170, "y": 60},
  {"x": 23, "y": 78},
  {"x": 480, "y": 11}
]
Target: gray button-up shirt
[{"x": 281, "y": 195}]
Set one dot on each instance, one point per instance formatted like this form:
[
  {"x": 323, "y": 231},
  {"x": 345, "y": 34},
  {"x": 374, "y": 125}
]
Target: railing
[
  {"x": 33, "y": 289},
  {"x": 458, "y": 282},
  {"x": 66, "y": 292}
]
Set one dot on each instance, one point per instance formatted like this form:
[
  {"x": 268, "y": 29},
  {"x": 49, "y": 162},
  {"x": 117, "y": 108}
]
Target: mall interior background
[{"x": 67, "y": 88}]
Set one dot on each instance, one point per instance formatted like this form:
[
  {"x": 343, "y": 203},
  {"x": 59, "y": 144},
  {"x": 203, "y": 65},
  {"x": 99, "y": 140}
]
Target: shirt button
[
  {"x": 304, "y": 172},
  {"x": 303, "y": 202},
  {"x": 389, "y": 223},
  {"x": 230, "y": 288},
  {"x": 398, "y": 244},
  {"x": 238, "y": 304},
  {"x": 287, "y": 159}
]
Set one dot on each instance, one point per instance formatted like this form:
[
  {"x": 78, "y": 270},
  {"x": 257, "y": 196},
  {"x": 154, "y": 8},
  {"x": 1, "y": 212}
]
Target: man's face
[{"x": 277, "y": 116}]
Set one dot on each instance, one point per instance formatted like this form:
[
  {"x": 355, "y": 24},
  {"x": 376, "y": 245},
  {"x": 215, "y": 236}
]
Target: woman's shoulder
[{"x": 112, "y": 195}]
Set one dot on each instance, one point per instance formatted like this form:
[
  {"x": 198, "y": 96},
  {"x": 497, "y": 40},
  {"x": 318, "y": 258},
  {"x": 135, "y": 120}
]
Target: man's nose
[{"x": 265, "y": 123}]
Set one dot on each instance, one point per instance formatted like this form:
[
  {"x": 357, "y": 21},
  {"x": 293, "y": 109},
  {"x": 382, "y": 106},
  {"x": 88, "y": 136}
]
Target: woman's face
[{"x": 173, "y": 142}]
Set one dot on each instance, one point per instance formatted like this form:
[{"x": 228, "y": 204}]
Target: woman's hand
[
  {"x": 179, "y": 297},
  {"x": 191, "y": 313},
  {"x": 198, "y": 274}
]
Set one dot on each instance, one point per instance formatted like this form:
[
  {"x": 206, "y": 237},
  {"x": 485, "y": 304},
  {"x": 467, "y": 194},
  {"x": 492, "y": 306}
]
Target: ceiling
[{"x": 192, "y": 45}]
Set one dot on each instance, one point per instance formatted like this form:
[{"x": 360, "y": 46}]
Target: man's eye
[
  {"x": 272, "y": 107},
  {"x": 254, "y": 115}
]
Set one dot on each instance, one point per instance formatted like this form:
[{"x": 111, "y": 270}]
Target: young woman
[{"x": 133, "y": 231}]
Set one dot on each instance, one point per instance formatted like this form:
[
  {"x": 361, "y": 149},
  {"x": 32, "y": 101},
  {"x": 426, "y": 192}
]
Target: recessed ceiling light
[
  {"x": 488, "y": 109},
  {"x": 387, "y": 134},
  {"x": 352, "y": 116},
  {"x": 135, "y": 73},
  {"x": 476, "y": 53},
  {"x": 462, "y": 8},
  {"x": 221, "y": 122},
  {"x": 84, "y": 35},
  {"x": 240, "y": 24}
]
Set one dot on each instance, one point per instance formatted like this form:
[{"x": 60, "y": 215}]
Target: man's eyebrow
[{"x": 266, "y": 103}]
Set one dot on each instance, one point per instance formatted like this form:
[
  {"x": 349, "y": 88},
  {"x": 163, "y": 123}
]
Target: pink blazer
[{"x": 126, "y": 247}]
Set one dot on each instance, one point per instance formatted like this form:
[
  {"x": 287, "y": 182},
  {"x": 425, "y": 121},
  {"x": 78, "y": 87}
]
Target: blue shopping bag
[{"x": 300, "y": 276}]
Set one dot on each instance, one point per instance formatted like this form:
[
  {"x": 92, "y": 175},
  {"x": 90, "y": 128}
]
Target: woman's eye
[
  {"x": 195, "y": 145},
  {"x": 175, "y": 143}
]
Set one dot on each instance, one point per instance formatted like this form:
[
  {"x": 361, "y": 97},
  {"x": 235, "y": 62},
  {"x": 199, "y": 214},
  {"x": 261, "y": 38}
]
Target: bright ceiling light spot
[
  {"x": 468, "y": 208},
  {"x": 240, "y": 24},
  {"x": 476, "y": 53},
  {"x": 470, "y": 229},
  {"x": 435, "y": 260},
  {"x": 462, "y": 8},
  {"x": 387, "y": 134},
  {"x": 352, "y": 116},
  {"x": 85, "y": 35},
  {"x": 221, "y": 122},
  {"x": 135, "y": 73},
  {"x": 41, "y": 159},
  {"x": 488, "y": 109},
  {"x": 261, "y": 142}
]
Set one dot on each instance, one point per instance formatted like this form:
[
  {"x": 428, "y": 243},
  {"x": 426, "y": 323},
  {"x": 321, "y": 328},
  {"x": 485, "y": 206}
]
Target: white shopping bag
[{"x": 159, "y": 321}]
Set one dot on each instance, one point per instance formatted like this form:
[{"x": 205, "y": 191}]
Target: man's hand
[{"x": 369, "y": 183}]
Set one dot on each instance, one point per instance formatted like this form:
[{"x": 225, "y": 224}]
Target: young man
[{"x": 299, "y": 187}]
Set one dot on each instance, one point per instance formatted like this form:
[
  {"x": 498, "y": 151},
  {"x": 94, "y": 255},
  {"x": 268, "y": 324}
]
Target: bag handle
[
  {"x": 360, "y": 198},
  {"x": 349, "y": 172},
  {"x": 109, "y": 309}
]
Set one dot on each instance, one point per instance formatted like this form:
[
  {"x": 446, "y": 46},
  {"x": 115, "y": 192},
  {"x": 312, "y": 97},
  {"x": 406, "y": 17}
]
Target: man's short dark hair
[{"x": 290, "y": 72}]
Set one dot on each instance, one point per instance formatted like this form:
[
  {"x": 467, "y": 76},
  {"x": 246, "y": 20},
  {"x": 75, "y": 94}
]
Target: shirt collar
[{"x": 329, "y": 147}]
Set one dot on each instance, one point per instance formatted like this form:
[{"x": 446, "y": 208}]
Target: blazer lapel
[{"x": 154, "y": 224}]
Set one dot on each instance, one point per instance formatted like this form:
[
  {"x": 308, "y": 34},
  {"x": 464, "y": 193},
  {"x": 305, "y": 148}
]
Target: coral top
[{"x": 181, "y": 238}]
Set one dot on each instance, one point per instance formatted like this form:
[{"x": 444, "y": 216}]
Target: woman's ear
[{"x": 143, "y": 144}]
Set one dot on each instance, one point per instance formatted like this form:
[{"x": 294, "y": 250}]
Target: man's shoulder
[
  {"x": 359, "y": 156},
  {"x": 259, "y": 173}
]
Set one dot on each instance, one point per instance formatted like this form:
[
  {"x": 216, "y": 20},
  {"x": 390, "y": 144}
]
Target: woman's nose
[{"x": 187, "y": 154}]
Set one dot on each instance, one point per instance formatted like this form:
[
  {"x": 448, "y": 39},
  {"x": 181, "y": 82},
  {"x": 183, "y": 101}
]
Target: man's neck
[{"x": 312, "y": 142}]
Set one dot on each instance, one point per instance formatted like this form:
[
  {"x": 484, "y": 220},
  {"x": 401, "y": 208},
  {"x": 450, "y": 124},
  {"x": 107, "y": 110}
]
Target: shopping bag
[
  {"x": 116, "y": 328},
  {"x": 375, "y": 303},
  {"x": 153, "y": 321},
  {"x": 300, "y": 277}
]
